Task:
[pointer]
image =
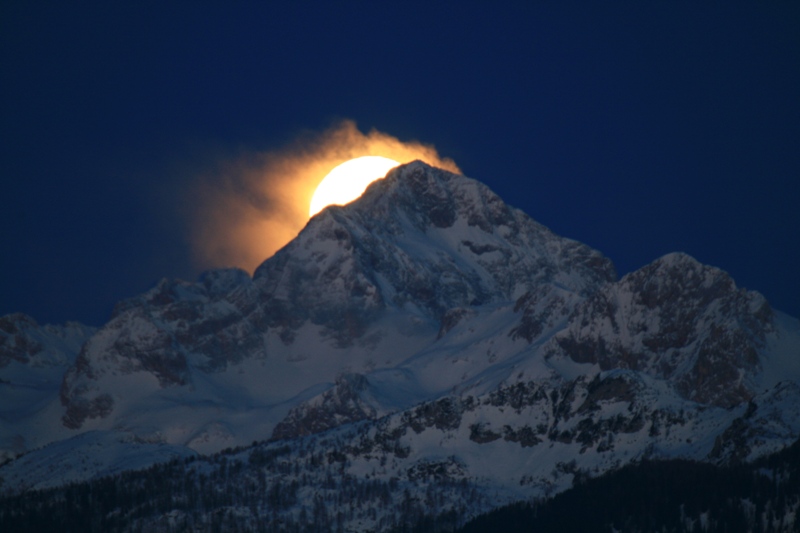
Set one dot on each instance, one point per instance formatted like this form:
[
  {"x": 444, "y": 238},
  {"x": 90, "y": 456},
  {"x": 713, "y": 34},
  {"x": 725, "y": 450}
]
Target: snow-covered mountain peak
[{"x": 429, "y": 238}]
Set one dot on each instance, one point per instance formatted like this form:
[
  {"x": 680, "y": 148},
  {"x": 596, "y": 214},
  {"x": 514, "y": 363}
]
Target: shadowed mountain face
[{"x": 428, "y": 334}]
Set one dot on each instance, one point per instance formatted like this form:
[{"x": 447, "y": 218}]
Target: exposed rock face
[
  {"x": 81, "y": 408},
  {"x": 167, "y": 332},
  {"x": 579, "y": 411},
  {"x": 14, "y": 344},
  {"x": 542, "y": 309},
  {"x": 678, "y": 320},
  {"x": 347, "y": 401},
  {"x": 33, "y": 360},
  {"x": 773, "y": 413},
  {"x": 442, "y": 414},
  {"x": 23, "y": 340},
  {"x": 211, "y": 324}
]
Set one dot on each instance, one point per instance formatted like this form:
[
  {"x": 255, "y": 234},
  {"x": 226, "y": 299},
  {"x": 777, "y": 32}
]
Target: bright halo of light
[{"x": 348, "y": 181}]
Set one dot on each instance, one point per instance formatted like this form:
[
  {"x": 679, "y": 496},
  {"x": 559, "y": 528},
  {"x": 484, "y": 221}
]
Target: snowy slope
[{"x": 33, "y": 360}]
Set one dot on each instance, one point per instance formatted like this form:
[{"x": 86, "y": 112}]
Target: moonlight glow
[
  {"x": 348, "y": 181},
  {"x": 244, "y": 209}
]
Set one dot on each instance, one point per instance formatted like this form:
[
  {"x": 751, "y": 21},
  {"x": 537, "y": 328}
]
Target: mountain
[
  {"x": 678, "y": 320},
  {"x": 361, "y": 289},
  {"x": 427, "y": 346}
]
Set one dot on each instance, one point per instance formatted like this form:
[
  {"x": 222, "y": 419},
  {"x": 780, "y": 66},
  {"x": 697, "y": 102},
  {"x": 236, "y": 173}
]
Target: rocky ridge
[{"x": 678, "y": 320}]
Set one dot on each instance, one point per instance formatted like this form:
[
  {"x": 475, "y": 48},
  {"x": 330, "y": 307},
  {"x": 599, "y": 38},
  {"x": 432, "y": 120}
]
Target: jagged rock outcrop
[
  {"x": 23, "y": 340},
  {"x": 347, "y": 401},
  {"x": 543, "y": 308},
  {"x": 678, "y": 320},
  {"x": 168, "y": 332}
]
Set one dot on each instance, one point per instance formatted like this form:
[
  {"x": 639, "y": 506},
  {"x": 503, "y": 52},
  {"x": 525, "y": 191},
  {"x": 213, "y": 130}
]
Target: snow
[
  {"x": 92, "y": 453},
  {"x": 782, "y": 358}
]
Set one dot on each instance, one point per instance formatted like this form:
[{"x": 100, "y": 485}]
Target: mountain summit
[
  {"x": 424, "y": 240},
  {"x": 432, "y": 339}
]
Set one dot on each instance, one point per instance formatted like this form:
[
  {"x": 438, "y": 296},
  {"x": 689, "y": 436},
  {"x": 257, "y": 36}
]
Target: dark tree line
[
  {"x": 268, "y": 490},
  {"x": 277, "y": 488},
  {"x": 667, "y": 496}
]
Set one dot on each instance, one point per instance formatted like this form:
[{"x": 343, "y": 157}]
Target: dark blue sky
[{"x": 639, "y": 128}]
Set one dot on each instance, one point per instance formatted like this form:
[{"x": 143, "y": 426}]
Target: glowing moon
[{"x": 348, "y": 181}]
